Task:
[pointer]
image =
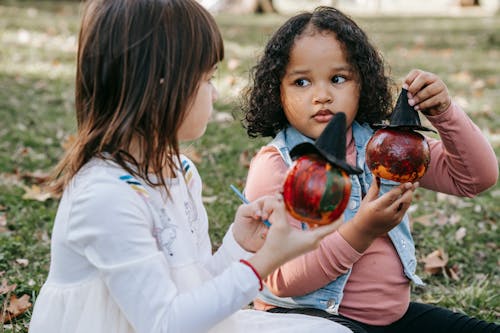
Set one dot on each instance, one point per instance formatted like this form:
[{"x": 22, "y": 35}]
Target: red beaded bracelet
[{"x": 243, "y": 261}]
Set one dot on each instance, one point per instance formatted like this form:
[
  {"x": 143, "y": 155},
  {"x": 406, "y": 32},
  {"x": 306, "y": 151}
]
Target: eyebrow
[{"x": 306, "y": 71}]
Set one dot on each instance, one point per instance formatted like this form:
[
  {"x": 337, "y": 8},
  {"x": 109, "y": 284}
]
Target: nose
[{"x": 322, "y": 95}]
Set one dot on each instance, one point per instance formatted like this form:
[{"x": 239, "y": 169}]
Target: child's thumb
[
  {"x": 374, "y": 189},
  {"x": 278, "y": 210},
  {"x": 323, "y": 231}
]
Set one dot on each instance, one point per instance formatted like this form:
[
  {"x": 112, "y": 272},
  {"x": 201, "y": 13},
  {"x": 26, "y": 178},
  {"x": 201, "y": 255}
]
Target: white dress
[{"x": 124, "y": 259}]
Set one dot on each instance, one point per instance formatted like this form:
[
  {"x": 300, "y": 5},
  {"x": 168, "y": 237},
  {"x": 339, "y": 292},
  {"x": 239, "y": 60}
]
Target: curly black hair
[{"x": 262, "y": 110}]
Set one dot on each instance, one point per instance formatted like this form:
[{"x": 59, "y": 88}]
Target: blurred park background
[{"x": 457, "y": 238}]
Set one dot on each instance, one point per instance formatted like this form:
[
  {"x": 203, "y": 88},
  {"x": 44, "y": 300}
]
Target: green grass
[{"x": 36, "y": 116}]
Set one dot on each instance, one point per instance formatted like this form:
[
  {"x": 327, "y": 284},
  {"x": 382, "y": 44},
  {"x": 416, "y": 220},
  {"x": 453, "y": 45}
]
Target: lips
[{"x": 323, "y": 116}]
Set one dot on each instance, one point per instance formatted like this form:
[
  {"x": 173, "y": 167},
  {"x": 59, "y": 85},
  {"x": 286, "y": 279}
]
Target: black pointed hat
[
  {"x": 404, "y": 115},
  {"x": 330, "y": 145}
]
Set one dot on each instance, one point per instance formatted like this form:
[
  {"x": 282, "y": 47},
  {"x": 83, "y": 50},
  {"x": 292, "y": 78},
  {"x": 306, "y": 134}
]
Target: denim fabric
[{"x": 328, "y": 298}]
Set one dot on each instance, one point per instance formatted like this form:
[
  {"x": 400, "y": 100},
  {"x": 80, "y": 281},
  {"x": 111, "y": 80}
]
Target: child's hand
[
  {"x": 377, "y": 215},
  {"x": 249, "y": 229},
  {"x": 285, "y": 241},
  {"x": 281, "y": 242},
  {"x": 427, "y": 92},
  {"x": 251, "y": 233}
]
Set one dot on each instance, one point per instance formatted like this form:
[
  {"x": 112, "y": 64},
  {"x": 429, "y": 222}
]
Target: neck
[{"x": 136, "y": 152}]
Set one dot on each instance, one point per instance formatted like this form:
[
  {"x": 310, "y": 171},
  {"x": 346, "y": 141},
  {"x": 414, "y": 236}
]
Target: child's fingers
[
  {"x": 403, "y": 202},
  {"x": 390, "y": 197},
  {"x": 434, "y": 88},
  {"x": 249, "y": 211},
  {"x": 260, "y": 209},
  {"x": 440, "y": 102},
  {"x": 417, "y": 80},
  {"x": 410, "y": 78},
  {"x": 273, "y": 208},
  {"x": 419, "y": 83},
  {"x": 393, "y": 196},
  {"x": 372, "y": 193},
  {"x": 421, "y": 95},
  {"x": 431, "y": 103}
]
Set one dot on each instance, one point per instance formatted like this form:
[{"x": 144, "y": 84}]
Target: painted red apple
[
  {"x": 399, "y": 154},
  {"x": 315, "y": 191}
]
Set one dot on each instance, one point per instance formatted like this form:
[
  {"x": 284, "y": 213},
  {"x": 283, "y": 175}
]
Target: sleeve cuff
[
  {"x": 444, "y": 116},
  {"x": 248, "y": 282}
]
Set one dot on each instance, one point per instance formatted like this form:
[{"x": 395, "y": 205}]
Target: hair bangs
[{"x": 211, "y": 42}]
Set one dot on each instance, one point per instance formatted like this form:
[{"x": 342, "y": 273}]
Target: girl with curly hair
[{"x": 317, "y": 65}]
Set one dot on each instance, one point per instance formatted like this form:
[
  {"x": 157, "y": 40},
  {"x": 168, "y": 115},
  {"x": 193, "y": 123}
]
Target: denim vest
[{"x": 328, "y": 298}]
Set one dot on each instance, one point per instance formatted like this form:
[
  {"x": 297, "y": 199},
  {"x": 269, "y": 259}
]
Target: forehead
[{"x": 317, "y": 47}]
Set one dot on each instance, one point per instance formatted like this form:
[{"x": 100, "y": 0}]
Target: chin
[{"x": 191, "y": 136}]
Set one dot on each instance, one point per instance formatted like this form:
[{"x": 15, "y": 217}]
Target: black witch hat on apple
[
  {"x": 331, "y": 145},
  {"x": 404, "y": 116}
]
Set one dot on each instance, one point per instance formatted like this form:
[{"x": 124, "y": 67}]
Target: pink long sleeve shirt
[{"x": 463, "y": 163}]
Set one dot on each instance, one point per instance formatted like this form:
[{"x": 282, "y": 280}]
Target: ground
[{"x": 37, "y": 58}]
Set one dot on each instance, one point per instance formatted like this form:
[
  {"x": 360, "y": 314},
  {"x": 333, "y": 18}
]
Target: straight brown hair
[{"x": 138, "y": 68}]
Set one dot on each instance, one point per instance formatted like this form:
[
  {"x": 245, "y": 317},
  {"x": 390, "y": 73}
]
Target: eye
[
  {"x": 302, "y": 83},
  {"x": 338, "y": 79}
]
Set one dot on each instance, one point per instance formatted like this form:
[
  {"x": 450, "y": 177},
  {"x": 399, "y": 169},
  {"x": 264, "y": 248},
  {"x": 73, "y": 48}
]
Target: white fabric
[{"x": 124, "y": 263}]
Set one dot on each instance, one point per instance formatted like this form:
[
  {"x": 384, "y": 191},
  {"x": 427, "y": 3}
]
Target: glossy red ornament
[
  {"x": 399, "y": 154},
  {"x": 315, "y": 191},
  {"x": 395, "y": 151}
]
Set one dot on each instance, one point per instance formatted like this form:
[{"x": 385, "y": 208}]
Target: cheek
[
  {"x": 352, "y": 115},
  {"x": 291, "y": 104},
  {"x": 291, "y": 113},
  {"x": 351, "y": 105}
]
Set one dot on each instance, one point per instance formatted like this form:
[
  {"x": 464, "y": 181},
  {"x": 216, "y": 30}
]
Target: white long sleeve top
[{"x": 127, "y": 259}]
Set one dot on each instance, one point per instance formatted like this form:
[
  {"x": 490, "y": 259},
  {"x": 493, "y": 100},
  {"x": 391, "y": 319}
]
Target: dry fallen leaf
[
  {"x": 10, "y": 179},
  {"x": 37, "y": 177},
  {"x": 22, "y": 262},
  {"x": 452, "y": 272},
  {"x": 245, "y": 158},
  {"x": 22, "y": 151},
  {"x": 37, "y": 193},
  {"x": 16, "y": 307},
  {"x": 6, "y": 288},
  {"x": 426, "y": 220},
  {"x": 435, "y": 262}
]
